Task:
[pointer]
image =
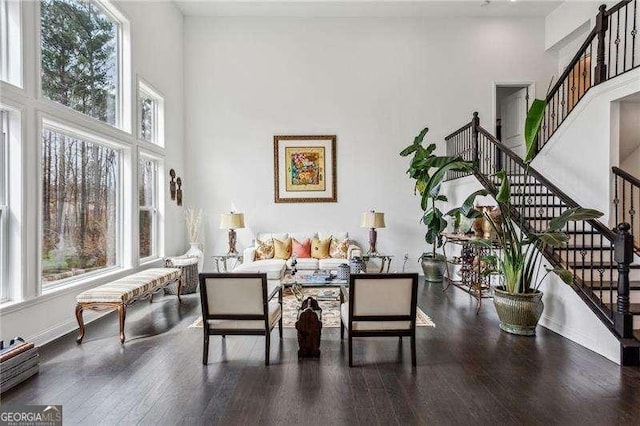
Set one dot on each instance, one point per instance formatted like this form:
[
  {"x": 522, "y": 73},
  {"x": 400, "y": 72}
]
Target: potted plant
[
  {"x": 518, "y": 301},
  {"x": 429, "y": 171}
]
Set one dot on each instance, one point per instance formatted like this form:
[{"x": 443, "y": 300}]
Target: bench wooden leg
[
  {"x": 122, "y": 312},
  {"x": 79, "y": 309}
]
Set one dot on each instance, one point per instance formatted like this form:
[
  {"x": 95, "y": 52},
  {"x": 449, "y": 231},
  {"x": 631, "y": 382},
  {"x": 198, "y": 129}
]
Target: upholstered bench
[{"x": 125, "y": 291}]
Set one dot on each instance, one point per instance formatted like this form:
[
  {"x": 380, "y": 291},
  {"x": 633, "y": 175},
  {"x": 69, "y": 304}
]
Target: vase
[
  {"x": 433, "y": 268},
  {"x": 196, "y": 251},
  {"x": 519, "y": 312}
]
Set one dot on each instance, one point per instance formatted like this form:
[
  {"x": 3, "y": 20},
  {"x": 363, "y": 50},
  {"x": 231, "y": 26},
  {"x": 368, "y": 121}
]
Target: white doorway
[{"x": 511, "y": 106}]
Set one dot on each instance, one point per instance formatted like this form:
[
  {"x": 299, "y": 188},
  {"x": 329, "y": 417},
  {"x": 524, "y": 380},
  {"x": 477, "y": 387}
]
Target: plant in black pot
[{"x": 429, "y": 171}]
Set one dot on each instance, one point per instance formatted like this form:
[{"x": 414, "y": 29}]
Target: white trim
[
  {"x": 494, "y": 101},
  {"x": 4, "y": 205},
  {"x": 11, "y": 53},
  {"x": 153, "y": 208}
]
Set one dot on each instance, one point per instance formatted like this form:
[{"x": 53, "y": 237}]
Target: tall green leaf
[
  {"x": 504, "y": 193},
  {"x": 572, "y": 215},
  {"x": 532, "y": 127}
]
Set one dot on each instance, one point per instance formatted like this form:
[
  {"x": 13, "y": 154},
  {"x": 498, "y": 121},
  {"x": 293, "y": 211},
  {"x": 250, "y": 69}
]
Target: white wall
[
  {"x": 568, "y": 17},
  {"x": 373, "y": 82},
  {"x": 630, "y": 136},
  {"x": 156, "y": 38},
  {"x": 579, "y": 156}
]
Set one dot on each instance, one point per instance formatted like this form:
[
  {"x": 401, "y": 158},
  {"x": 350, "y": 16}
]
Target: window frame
[
  {"x": 11, "y": 56},
  {"x": 157, "y": 136},
  {"x": 73, "y": 131},
  {"x": 123, "y": 69},
  {"x": 154, "y": 208},
  {"x": 4, "y": 205}
]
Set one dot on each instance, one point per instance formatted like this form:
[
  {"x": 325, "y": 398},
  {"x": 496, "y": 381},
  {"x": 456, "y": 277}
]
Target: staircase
[{"x": 601, "y": 260}]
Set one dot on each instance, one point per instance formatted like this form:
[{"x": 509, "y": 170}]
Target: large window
[
  {"x": 4, "y": 208},
  {"x": 80, "y": 206},
  {"x": 10, "y": 42},
  {"x": 79, "y": 54},
  {"x": 148, "y": 207}
]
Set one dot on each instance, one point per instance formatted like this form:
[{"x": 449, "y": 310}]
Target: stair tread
[{"x": 596, "y": 265}]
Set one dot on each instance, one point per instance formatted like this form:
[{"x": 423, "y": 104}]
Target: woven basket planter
[
  {"x": 189, "y": 266},
  {"x": 519, "y": 313}
]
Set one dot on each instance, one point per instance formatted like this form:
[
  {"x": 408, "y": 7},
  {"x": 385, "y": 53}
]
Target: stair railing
[
  {"x": 613, "y": 40},
  {"x": 626, "y": 201},
  {"x": 590, "y": 256}
]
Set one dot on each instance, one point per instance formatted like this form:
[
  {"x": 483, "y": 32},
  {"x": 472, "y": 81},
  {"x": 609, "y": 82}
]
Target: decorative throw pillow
[
  {"x": 320, "y": 248},
  {"x": 282, "y": 248},
  {"x": 264, "y": 249},
  {"x": 338, "y": 249},
  {"x": 301, "y": 250}
]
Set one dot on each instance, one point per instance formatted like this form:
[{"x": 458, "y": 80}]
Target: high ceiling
[{"x": 367, "y": 8}]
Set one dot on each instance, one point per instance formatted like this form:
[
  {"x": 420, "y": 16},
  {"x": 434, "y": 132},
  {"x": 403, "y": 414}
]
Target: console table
[{"x": 473, "y": 279}]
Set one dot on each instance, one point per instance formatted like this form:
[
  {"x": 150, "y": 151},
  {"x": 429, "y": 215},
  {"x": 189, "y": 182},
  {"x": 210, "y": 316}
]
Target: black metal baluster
[
  {"x": 626, "y": 21},
  {"x": 634, "y": 31},
  {"x": 617, "y": 42},
  {"x": 610, "y": 20},
  {"x": 616, "y": 199}
]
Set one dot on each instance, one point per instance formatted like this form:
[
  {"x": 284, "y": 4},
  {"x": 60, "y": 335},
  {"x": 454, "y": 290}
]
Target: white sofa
[{"x": 276, "y": 268}]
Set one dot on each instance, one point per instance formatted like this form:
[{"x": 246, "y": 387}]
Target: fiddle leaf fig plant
[{"x": 429, "y": 171}]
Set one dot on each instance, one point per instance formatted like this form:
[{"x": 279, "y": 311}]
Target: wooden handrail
[
  {"x": 460, "y": 130},
  {"x": 571, "y": 65},
  {"x": 606, "y": 232},
  {"x": 626, "y": 176},
  {"x": 617, "y": 7}
]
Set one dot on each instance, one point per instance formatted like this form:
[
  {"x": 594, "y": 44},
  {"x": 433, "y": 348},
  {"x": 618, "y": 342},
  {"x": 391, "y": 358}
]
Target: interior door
[{"x": 513, "y": 113}]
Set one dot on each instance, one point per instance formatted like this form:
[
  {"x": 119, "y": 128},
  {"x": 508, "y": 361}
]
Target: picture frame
[{"x": 304, "y": 169}]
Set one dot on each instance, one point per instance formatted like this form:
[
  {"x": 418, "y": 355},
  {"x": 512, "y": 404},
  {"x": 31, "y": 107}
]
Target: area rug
[{"x": 330, "y": 311}]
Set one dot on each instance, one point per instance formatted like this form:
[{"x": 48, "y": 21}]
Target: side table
[
  {"x": 473, "y": 279},
  {"x": 189, "y": 267},
  {"x": 384, "y": 259},
  {"x": 223, "y": 258}
]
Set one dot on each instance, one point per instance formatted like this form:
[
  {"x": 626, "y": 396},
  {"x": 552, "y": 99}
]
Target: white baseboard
[
  {"x": 577, "y": 337},
  {"x": 60, "y": 330}
]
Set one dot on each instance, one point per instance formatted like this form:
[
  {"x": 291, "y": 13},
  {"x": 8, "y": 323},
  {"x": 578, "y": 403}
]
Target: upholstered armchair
[
  {"x": 238, "y": 304},
  {"x": 380, "y": 305}
]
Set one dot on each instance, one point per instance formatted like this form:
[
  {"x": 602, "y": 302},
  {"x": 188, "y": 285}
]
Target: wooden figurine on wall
[
  {"x": 179, "y": 191},
  {"x": 172, "y": 184}
]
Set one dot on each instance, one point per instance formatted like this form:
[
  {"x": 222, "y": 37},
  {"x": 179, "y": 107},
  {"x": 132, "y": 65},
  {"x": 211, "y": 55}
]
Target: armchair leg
[
  {"x": 205, "y": 348},
  {"x": 341, "y": 330},
  {"x": 350, "y": 350},
  {"x": 413, "y": 349},
  {"x": 280, "y": 327},
  {"x": 267, "y": 348}
]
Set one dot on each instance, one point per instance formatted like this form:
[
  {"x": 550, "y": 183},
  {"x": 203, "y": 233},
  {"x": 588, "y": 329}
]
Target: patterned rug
[{"x": 330, "y": 310}]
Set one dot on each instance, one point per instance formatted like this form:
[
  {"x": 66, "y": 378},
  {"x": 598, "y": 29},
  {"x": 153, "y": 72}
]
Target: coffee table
[{"x": 312, "y": 280}]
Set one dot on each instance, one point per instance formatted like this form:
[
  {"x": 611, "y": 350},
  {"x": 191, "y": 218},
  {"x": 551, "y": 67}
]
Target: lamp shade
[
  {"x": 231, "y": 220},
  {"x": 372, "y": 220}
]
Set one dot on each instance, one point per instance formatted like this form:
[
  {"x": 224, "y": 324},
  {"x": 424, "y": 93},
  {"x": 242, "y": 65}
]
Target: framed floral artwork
[{"x": 304, "y": 169}]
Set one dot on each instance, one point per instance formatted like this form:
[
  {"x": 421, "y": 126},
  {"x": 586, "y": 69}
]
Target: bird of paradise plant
[{"x": 520, "y": 261}]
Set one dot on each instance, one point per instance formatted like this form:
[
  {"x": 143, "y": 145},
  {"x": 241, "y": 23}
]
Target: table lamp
[
  {"x": 232, "y": 221},
  {"x": 372, "y": 220}
]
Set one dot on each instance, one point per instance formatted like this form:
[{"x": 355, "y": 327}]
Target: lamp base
[
  {"x": 373, "y": 237},
  {"x": 232, "y": 242}
]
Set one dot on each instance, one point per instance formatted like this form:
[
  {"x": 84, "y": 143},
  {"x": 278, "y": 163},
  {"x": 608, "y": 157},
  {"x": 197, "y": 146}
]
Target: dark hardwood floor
[{"x": 469, "y": 372}]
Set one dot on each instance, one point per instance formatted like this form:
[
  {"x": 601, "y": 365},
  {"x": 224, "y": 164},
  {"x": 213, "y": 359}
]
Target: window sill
[{"x": 75, "y": 287}]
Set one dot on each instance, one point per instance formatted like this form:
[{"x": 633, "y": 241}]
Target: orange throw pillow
[
  {"x": 302, "y": 250},
  {"x": 320, "y": 248}
]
